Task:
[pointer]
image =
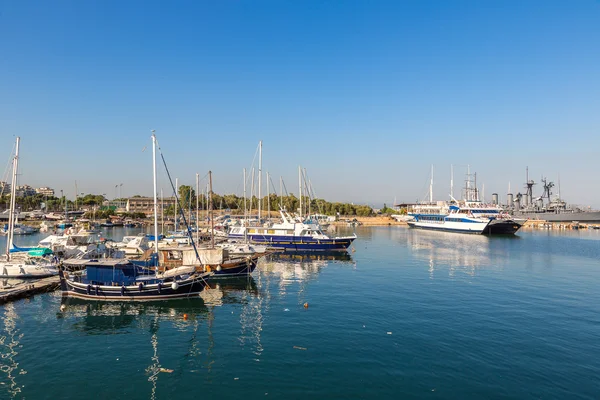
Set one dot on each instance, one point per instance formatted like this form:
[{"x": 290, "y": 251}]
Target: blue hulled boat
[
  {"x": 291, "y": 234},
  {"x": 121, "y": 280}
]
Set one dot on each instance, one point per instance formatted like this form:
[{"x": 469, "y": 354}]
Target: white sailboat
[{"x": 33, "y": 264}]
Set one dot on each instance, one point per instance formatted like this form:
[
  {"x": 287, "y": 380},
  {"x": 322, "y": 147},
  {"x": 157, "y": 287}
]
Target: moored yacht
[{"x": 291, "y": 234}]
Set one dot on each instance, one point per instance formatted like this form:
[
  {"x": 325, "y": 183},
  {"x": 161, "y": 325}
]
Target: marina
[
  {"x": 442, "y": 299},
  {"x": 236, "y": 200}
]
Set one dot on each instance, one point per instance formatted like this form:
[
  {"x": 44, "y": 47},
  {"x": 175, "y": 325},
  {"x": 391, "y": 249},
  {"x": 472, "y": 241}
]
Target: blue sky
[{"x": 365, "y": 95}]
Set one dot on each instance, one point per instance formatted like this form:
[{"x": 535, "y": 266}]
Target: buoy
[
  {"x": 306, "y": 305},
  {"x": 141, "y": 286},
  {"x": 122, "y": 290},
  {"x": 158, "y": 287},
  {"x": 97, "y": 290},
  {"x": 63, "y": 307},
  {"x": 89, "y": 289},
  {"x": 185, "y": 317},
  {"x": 174, "y": 286},
  {"x": 218, "y": 268}
]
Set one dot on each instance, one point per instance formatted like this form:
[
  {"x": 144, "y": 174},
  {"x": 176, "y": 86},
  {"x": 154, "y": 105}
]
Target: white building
[
  {"x": 46, "y": 191},
  {"x": 25, "y": 190},
  {"x": 4, "y": 188}
]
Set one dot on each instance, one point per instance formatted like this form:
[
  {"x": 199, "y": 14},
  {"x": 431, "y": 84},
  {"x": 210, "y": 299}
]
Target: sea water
[{"x": 404, "y": 314}]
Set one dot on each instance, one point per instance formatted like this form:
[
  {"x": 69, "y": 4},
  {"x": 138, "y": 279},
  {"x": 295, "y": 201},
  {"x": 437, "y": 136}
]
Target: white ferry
[{"x": 469, "y": 217}]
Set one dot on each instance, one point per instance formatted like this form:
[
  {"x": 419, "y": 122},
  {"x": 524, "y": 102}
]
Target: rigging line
[
  {"x": 179, "y": 204},
  {"x": 9, "y": 162},
  {"x": 254, "y": 159},
  {"x": 285, "y": 189}
]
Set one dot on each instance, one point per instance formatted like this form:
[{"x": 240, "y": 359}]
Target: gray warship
[{"x": 547, "y": 207}]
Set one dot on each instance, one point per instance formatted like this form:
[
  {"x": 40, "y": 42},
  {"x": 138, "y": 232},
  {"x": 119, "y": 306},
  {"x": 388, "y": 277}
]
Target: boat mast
[
  {"x": 155, "y": 194},
  {"x": 212, "y": 221},
  {"x": 281, "y": 192},
  {"x": 197, "y": 208},
  {"x": 176, "y": 194},
  {"x": 13, "y": 195},
  {"x": 452, "y": 181},
  {"x": 251, "y": 193},
  {"x": 162, "y": 212},
  {"x": 259, "y": 179},
  {"x": 308, "y": 191},
  {"x": 431, "y": 186},
  {"x": 245, "y": 209},
  {"x": 300, "y": 188},
  {"x": 268, "y": 197}
]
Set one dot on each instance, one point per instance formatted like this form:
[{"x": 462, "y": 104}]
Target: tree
[{"x": 187, "y": 196}]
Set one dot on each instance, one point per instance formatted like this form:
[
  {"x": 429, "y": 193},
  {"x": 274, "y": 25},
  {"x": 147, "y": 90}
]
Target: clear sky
[{"x": 364, "y": 94}]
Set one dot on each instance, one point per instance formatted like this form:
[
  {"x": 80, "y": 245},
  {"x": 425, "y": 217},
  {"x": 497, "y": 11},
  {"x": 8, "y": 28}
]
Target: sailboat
[
  {"x": 121, "y": 280},
  {"x": 35, "y": 263}
]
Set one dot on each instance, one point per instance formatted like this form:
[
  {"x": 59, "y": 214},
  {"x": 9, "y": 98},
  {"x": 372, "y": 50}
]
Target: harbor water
[{"x": 407, "y": 314}]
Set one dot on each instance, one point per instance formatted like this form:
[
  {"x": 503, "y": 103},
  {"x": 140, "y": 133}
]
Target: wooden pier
[{"x": 28, "y": 288}]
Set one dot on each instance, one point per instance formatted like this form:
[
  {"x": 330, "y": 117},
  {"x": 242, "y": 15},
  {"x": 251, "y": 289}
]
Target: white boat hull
[
  {"x": 448, "y": 226},
  {"x": 26, "y": 271}
]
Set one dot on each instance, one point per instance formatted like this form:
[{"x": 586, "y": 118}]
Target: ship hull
[
  {"x": 298, "y": 243},
  {"x": 590, "y": 216},
  {"x": 502, "y": 227},
  {"x": 238, "y": 268},
  {"x": 472, "y": 228},
  {"x": 152, "y": 292}
]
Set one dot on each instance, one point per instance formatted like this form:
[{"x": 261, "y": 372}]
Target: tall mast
[
  {"x": 245, "y": 208},
  {"x": 468, "y": 184},
  {"x": 162, "y": 212},
  {"x": 259, "y": 179},
  {"x": 176, "y": 201},
  {"x": 155, "y": 194},
  {"x": 452, "y": 181},
  {"x": 268, "y": 196},
  {"x": 251, "y": 192},
  {"x": 197, "y": 208},
  {"x": 281, "y": 192},
  {"x": 300, "y": 188},
  {"x": 308, "y": 190},
  {"x": 212, "y": 222},
  {"x": 431, "y": 186},
  {"x": 13, "y": 195}
]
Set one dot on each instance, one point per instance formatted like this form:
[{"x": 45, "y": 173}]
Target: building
[
  {"x": 146, "y": 204},
  {"x": 4, "y": 188},
  {"x": 25, "y": 191},
  {"x": 46, "y": 191}
]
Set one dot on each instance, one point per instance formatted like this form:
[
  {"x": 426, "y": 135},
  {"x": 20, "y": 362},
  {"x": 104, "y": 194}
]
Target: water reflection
[
  {"x": 229, "y": 291},
  {"x": 10, "y": 342},
  {"x": 301, "y": 266},
  {"x": 94, "y": 317},
  {"x": 457, "y": 252}
]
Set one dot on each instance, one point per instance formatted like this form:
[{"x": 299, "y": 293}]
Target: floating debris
[
  {"x": 300, "y": 348},
  {"x": 165, "y": 370}
]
